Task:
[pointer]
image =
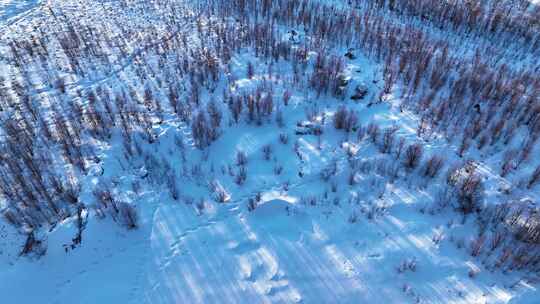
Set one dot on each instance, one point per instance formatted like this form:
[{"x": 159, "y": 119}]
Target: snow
[
  {"x": 11, "y": 10},
  {"x": 347, "y": 247},
  {"x": 283, "y": 251}
]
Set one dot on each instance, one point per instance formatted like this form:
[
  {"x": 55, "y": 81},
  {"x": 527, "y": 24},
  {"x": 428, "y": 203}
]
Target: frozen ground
[{"x": 372, "y": 242}]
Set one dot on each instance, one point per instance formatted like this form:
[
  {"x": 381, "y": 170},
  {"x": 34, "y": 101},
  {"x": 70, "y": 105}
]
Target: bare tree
[
  {"x": 433, "y": 166},
  {"x": 535, "y": 177},
  {"x": 413, "y": 155}
]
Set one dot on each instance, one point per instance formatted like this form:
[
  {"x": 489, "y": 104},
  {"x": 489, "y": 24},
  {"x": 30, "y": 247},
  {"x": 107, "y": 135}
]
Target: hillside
[{"x": 260, "y": 151}]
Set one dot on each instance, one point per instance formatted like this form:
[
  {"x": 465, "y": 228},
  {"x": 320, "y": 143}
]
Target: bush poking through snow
[
  {"x": 280, "y": 121},
  {"x": 267, "y": 152},
  {"x": 128, "y": 215},
  {"x": 220, "y": 193},
  {"x": 251, "y": 205},
  {"x": 250, "y": 70},
  {"x": 477, "y": 245},
  {"x": 373, "y": 132},
  {"x": 329, "y": 171},
  {"x": 200, "y": 206},
  {"x": 201, "y": 130},
  {"x": 278, "y": 169},
  {"x": 33, "y": 246},
  {"x": 172, "y": 186},
  {"x": 413, "y": 155},
  {"x": 82, "y": 220},
  {"x": 241, "y": 176},
  {"x": 407, "y": 265},
  {"x": 473, "y": 272},
  {"x": 353, "y": 217},
  {"x": 497, "y": 238},
  {"x": 470, "y": 193},
  {"x": 241, "y": 158},
  {"x": 535, "y": 178},
  {"x": 345, "y": 119},
  {"x": 437, "y": 237},
  {"x": 389, "y": 136},
  {"x": 283, "y": 138},
  {"x": 433, "y": 166},
  {"x": 286, "y": 97}
]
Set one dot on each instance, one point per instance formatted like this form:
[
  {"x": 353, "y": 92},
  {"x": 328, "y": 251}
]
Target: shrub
[
  {"x": 241, "y": 176},
  {"x": 220, "y": 193},
  {"x": 470, "y": 193},
  {"x": 278, "y": 169},
  {"x": 128, "y": 215},
  {"x": 201, "y": 205},
  {"x": 267, "y": 152},
  {"x": 477, "y": 245},
  {"x": 33, "y": 245},
  {"x": 433, "y": 166},
  {"x": 241, "y": 158},
  {"x": 535, "y": 177},
  {"x": 283, "y": 138},
  {"x": 252, "y": 205},
  {"x": 353, "y": 217},
  {"x": 389, "y": 136},
  {"x": 413, "y": 155},
  {"x": 408, "y": 264},
  {"x": 172, "y": 186},
  {"x": 373, "y": 131},
  {"x": 345, "y": 119}
]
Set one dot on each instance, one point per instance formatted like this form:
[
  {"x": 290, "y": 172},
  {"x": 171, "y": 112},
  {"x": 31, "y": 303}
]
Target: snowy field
[
  {"x": 329, "y": 217},
  {"x": 14, "y": 9}
]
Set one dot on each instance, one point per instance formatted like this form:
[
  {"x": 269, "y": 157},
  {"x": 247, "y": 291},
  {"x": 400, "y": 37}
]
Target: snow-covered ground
[
  {"x": 13, "y": 9},
  {"x": 375, "y": 239},
  {"x": 285, "y": 251}
]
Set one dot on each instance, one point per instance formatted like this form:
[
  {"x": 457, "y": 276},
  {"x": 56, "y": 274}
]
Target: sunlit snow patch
[
  {"x": 11, "y": 8},
  {"x": 280, "y": 217}
]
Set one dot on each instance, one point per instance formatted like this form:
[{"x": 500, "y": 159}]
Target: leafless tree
[{"x": 413, "y": 155}]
